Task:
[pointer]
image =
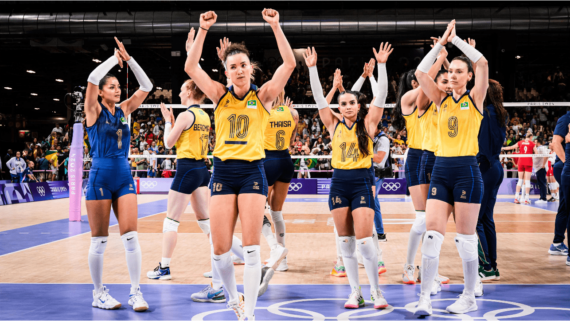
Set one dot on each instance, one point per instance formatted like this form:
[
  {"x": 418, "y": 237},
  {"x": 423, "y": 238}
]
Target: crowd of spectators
[{"x": 543, "y": 85}]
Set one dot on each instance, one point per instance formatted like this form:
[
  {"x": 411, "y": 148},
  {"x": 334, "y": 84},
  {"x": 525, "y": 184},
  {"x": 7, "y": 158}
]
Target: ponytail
[
  {"x": 398, "y": 121},
  {"x": 363, "y": 138}
]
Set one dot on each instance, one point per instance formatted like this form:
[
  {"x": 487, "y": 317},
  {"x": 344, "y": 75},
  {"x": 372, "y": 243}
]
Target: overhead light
[
  {"x": 215, "y": 70},
  {"x": 97, "y": 60},
  {"x": 201, "y": 59},
  {"x": 342, "y": 41},
  {"x": 56, "y": 99},
  {"x": 30, "y": 71},
  {"x": 518, "y": 57},
  {"x": 8, "y": 88},
  {"x": 33, "y": 94},
  {"x": 59, "y": 80},
  {"x": 37, "y": 108},
  {"x": 119, "y": 70},
  {"x": 54, "y": 111},
  {"x": 159, "y": 88}
]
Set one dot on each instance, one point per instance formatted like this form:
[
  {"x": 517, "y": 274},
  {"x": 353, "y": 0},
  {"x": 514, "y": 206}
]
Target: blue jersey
[
  {"x": 561, "y": 130},
  {"x": 110, "y": 135},
  {"x": 27, "y": 172},
  {"x": 491, "y": 136}
]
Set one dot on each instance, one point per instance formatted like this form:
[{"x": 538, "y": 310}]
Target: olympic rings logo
[
  {"x": 149, "y": 184},
  {"x": 295, "y": 187},
  {"x": 278, "y": 309},
  {"x": 41, "y": 190},
  {"x": 391, "y": 187}
]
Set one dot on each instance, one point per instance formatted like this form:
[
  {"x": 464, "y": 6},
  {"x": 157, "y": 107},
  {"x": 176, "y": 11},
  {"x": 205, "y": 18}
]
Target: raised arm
[
  {"x": 422, "y": 101},
  {"x": 324, "y": 110},
  {"x": 295, "y": 114},
  {"x": 337, "y": 84},
  {"x": 213, "y": 89},
  {"x": 426, "y": 82},
  {"x": 275, "y": 86},
  {"x": 358, "y": 84},
  {"x": 515, "y": 146},
  {"x": 173, "y": 130},
  {"x": 145, "y": 85},
  {"x": 92, "y": 107},
  {"x": 377, "y": 107}
]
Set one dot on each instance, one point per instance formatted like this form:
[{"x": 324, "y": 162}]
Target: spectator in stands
[
  {"x": 16, "y": 165},
  {"x": 57, "y": 129},
  {"x": 43, "y": 165},
  {"x": 151, "y": 172},
  {"x": 306, "y": 148},
  {"x": 28, "y": 174},
  {"x": 141, "y": 166},
  {"x": 298, "y": 144},
  {"x": 149, "y": 137}
]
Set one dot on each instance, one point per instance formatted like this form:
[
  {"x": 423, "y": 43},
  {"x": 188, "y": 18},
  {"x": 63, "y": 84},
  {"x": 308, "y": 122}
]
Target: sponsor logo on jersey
[
  {"x": 465, "y": 105},
  {"x": 252, "y": 104}
]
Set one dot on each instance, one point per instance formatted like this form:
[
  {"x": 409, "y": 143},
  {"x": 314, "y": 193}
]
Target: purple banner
[
  {"x": 155, "y": 185},
  {"x": 509, "y": 185},
  {"x": 14, "y": 193},
  {"x": 40, "y": 191},
  {"x": 393, "y": 186},
  {"x": 303, "y": 186},
  {"x": 59, "y": 189}
]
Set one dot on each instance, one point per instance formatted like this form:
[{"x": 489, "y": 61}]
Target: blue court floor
[{"x": 281, "y": 302}]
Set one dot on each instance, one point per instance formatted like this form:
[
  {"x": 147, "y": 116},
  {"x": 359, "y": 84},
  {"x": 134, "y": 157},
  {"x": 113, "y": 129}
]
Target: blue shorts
[
  {"x": 190, "y": 174},
  {"x": 278, "y": 166},
  {"x": 238, "y": 177},
  {"x": 426, "y": 167},
  {"x": 109, "y": 178},
  {"x": 456, "y": 179},
  {"x": 413, "y": 164},
  {"x": 351, "y": 188}
]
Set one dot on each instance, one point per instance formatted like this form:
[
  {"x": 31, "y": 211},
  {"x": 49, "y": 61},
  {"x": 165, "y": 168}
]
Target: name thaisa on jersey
[{"x": 280, "y": 124}]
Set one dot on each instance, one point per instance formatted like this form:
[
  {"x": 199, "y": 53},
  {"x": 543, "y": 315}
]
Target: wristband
[
  {"x": 204, "y": 29},
  {"x": 429, "y": 59},
  {"x": 471, "y": 53}
]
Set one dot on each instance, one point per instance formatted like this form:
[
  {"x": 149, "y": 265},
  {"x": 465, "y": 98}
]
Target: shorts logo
[
  {"x": 362, "y": 201},
  {"x": 465, "y": 105},
  {"x": 255, "y": 185},
  {"x": 295, "y": 187},
  {"x": 464, "y": 194},
  {"x": 433, "y": 191},
  {"x": 336, "y": 200},
  {"x": 252, "y": 104},
  {"x": 217, "y": 187},
  {"x": 131, "y": 187}
]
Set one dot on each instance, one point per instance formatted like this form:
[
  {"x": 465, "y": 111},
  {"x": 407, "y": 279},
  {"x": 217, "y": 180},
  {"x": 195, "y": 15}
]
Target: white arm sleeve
[
  {"x": 167, "y": 129},
  {"x": 429, "y": 59},
  {"x": 142, "y": 78},
  {"x": 382, "y": 86},
  {"x": 317, "y": 88},
  {"x": 358, "y": 84},
  {"x": 100, "y": 72},
  {"x": 471, "y": 53},
  {"x": 374, "y": 86}
]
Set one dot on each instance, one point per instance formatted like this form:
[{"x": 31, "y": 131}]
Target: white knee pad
[
  {"x": 527, "y": 184},
  {"x": 467, "y": 246},
  {"x": 520, "y": 182},
  {"x": 367, "y": 248},
  {"x": 276, "y": 216},
  {"x": 432, "y": 244},
  {"x": 556, "y": 185},
  {"x": 204, "y": 225},
  {"x": 98, "y": 245},
  {"x": 347, "y": 245},
  {"x": 419, "y": 225},
  {"x": 170, "y": 225},
  {"x": 131, "y": 241},
  {"x": 252, "y": 256}
]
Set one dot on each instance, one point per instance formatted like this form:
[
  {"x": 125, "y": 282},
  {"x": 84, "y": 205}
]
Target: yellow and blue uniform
[
  {"x": 352, "y": 179},
  {"x": 191, "y": 150},
  {"x": 413, "y": 161},
  {"x": 428, "y": 124},
  {"x": 456, "y": 176},
  {"x": 110, "y": 174},
  {"x": 278, "y": 163},
  {"x": 239, "y": 153}
]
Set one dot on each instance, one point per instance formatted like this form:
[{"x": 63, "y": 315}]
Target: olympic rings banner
[
  {"x": 15, "y": 193},
  {"x": 389, "y": 186},
  {"x": 303, "y": 186}
]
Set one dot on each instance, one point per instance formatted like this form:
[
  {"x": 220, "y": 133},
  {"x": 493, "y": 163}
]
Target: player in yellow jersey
[
  {"x": 279, "y": 170},
  {"x": 456, "y": 179},
  {"x": 351, "y": 198},
  {"x": 238, "y": 182}
]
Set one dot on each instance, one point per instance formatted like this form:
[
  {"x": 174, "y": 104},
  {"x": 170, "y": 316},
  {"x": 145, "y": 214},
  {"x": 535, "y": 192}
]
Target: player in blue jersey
[
  {"x": 562, "y": 218},
  {"x": 110, "y": 180}
]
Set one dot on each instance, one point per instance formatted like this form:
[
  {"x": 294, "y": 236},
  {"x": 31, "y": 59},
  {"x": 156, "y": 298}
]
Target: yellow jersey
[
  {"x": 240, "y": 126},
  {"x": 413, "y": 129},
  {"x": 428, "y": 124},
  {"x": 193, "y": 142},
  {"x": 345, "y": 151},
  {"x": 458, "y": 127},
  {"x": 279, "y": 129}
]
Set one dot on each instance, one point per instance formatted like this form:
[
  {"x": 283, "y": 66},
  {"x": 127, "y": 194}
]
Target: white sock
[
  {"x": 225, "y": 268},
  {"x": 216, "y": 280},
  {"x": 251, "y": 277},
  {"x": 134, "y": 257},
  {"x": 377, "y": 245},
  {"x": 471, "y": 275},
  {"x": 237, "y": 248},
  {"x": 517, "y": 196},
  {"x": 556, "y": 244},
  {"x": 277, "y": 217},
  {"x": 348, "y": 248},
  {"x": 415, "y": 236},
  {"x": 269, "y": 237},
  {"x": 370, "y": 260},
  {"x": 95, "y": 258},
  {"x": 431, "y": 249},
  {"x": 467, "y": 247},
  {"x": 339, "y": 260},
  {"x": 165, "y": 262}
]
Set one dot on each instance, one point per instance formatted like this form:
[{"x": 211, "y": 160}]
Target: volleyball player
[
  {"x": 562, "y": 216},
  {"x": 279, "y": 170},
  {"x": 525, "y": 147},
  {"x": 425, "y": 136},
  {"x": 110, "y": 180},
  {"x": 552, "y": 184},
  {"x": 491, "y": 137},
  {"x": 350, "y": 200},
  {"x": 238, "y": 182},
  {"x": 456, "y": 179}
]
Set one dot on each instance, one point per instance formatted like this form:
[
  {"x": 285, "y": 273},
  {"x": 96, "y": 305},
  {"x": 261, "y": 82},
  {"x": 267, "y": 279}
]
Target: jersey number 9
[
  {"x": 238, "y": 126},
  {"x": 453, "y": 125}
]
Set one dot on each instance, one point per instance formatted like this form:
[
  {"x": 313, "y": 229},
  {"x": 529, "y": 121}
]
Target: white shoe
[
  {"x": 424, "y": 306},
  {"x": 436, "y": 287},
  {"x": 408, "y": 275},
  {"x": 466, "y": 303},
  {"x": 238, "y": 307},
  {"x": 236, "y": 260},
  {"x": 408, "y": 197},
  {"x": 378, "y": 299},
  {"x": 355, "y": 300},
  {"x": 479, "y": 288},
  {"x": 283, "y": 266},
  {"x": 102, "y": 300},
  {"x": 266, "y": 276},
  {"x": 277, "y": 255},
  {"x": 208, "y": 275},
  {"x": 137, "y": 301},
  {"x": 540, "y": 202}
]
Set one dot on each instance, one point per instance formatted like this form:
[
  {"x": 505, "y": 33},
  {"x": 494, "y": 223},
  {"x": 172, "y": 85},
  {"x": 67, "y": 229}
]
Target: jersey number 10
[{"x": 238, "y": 126}]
